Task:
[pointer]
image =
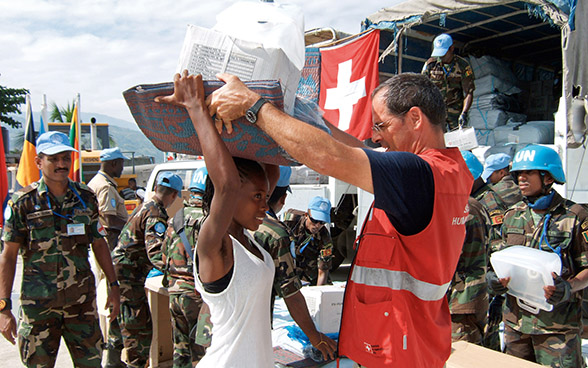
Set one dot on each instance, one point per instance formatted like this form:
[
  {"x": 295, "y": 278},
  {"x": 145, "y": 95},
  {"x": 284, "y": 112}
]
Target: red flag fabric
[
  {"x": 3, "y": 180},
  {"x": 349, "y": 74}
]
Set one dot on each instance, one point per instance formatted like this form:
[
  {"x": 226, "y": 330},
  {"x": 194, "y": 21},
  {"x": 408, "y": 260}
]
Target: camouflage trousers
[
  {"x": 491, "y": 338},
  {"x": 467, "y": 327},
  {"x": 552, "y": 350},
  {"x": 40, "y": 331},
  {"x": 136, "y": 331},
  {"x": 453, "y": 112},
  {"x": 184, "y": 309}
]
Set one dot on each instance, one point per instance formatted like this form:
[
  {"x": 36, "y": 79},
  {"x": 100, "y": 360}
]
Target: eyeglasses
[
  {"x": 378, "y": 127},
  {"x": 316, "y": 221}
]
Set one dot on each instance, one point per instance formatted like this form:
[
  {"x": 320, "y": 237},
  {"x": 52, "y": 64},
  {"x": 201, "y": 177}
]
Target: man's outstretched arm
[{"x": 307, "y": 144}]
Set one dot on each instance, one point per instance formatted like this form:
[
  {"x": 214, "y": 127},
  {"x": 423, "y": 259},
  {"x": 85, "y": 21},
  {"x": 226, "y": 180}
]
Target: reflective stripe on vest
[{"x": 398, "y": 280}]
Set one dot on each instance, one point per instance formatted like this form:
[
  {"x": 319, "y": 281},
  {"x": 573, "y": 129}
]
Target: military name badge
[
  {"x": 76, "y": 229},
  {"x": 159, "y": 228}
]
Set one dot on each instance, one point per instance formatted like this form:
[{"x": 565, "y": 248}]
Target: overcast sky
[{"x": 99, "y": 48}]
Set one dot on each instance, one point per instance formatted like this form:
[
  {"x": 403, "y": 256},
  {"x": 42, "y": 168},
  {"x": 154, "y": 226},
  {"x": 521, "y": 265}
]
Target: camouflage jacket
[
  {"x": 468, "y": 292},
  {"x": 496, "y": 207},
  {"x": 567, "y": 228},
  {"x": 56, "y": 270},
  {"x": 313, "y": 252},
  {"x": 455, "y": 80},
  {"x": 177, "y": 264},
  {"x": 274, "y": 236},
  {"x": 139, "y": 249},
  {"x": 508, "y": 191}
]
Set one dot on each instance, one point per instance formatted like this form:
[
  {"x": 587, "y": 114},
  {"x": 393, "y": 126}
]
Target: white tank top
[{"x": 241, "y": 331}]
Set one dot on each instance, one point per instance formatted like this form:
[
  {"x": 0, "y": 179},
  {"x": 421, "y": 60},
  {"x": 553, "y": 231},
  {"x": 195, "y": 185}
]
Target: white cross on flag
[{"x": 349, "y": 74}]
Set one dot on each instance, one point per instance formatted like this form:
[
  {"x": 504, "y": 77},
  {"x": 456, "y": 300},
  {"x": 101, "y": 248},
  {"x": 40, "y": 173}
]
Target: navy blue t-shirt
[{"x": 404, "y": 188}]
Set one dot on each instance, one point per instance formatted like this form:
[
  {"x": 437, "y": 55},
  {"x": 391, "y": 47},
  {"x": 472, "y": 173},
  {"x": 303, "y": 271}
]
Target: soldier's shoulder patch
[
  {"x": 585, "y": 235},
  {"x": 326, "y": 252},
  {"x": 101, "y": 230},
  {"x": 497, "y": 219},
  {"x": 8, "y": 212},
  {"x": 159, "y": 228},
  {"x": 113, "y": 202}
]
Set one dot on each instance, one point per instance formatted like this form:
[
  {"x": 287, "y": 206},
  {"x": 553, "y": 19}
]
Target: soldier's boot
[{"x": 113, "y": 357}]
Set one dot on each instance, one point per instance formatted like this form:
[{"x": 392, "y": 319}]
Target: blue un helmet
[
  {"x": 198, "y": 183},
  {"x": 534, "y": 157},
  {"x": 473, "y": 163}
]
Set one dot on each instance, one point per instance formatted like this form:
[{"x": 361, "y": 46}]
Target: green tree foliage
[
  {"x": 10, "y": 101},
  {"x": 63, "y": 114}
]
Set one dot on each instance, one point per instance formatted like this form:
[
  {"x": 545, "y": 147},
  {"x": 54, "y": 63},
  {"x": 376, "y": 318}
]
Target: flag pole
[{"x": 79, "y": 134}]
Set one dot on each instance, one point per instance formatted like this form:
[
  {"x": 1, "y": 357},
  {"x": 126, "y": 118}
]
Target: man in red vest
[{"x": 395, "y": 311}]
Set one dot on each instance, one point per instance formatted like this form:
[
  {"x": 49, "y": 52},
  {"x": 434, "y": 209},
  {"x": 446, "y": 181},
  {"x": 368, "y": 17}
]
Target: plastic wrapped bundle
[
  {"x": 170, "y": 129},
  {"x": 487, "y": 119},
  {"x": 488, "y": 65},
  {"x": 491, "y": 84},
  {"x": 538, "y": 132},
  {"x": 485, "y": 137},
  {"x": 495, "y": 101}
]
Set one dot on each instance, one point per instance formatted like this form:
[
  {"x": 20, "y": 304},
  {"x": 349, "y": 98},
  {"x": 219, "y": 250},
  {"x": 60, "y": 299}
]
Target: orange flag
[
  {"x": 27, "y": 169},
  {"x": 75, "y": 173}
]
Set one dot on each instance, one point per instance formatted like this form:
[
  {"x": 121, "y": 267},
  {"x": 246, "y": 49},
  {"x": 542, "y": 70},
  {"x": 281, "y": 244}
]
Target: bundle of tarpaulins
[{"x": 495, "y": 103}]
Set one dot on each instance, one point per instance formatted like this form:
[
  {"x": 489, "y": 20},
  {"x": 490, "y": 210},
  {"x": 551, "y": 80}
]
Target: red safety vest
[{"x": 395, "y": 311}]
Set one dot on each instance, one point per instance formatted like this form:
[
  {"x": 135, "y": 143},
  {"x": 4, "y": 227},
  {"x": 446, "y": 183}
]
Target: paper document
[{"x": 210, "y": 52}]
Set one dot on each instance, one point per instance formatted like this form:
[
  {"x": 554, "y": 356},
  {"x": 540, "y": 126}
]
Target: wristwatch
[
  {"x": 251, "y": 114},
  {"x": 5, "y": 304},
  {"x": 114, "y": 283}
]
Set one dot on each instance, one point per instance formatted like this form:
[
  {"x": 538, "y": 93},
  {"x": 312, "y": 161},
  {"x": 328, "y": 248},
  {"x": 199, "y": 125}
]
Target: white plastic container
[{"x": 530, "y": 270}]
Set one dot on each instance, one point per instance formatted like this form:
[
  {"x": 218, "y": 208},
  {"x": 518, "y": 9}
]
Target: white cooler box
[
  {"x": 325, "y": 304},
  {"x": 529, "y": 270}
]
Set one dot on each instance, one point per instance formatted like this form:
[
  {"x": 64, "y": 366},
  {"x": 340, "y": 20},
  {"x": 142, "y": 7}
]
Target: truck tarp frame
[{"x": 570, "y": 16}]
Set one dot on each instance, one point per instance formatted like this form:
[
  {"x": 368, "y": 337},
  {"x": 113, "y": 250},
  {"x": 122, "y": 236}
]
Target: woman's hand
[{"x": 188, "y": 92}]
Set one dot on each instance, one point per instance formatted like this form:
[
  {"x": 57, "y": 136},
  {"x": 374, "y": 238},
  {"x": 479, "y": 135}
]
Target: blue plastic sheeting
[{"x": 568, "y": 7}]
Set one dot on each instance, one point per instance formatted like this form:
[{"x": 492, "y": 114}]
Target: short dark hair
[
  {"x": 246, "y": 169},
  {"x": 132, "y": 179},
  {"x": 406, "y": 90},
  {"x": 276, "y": 195}
]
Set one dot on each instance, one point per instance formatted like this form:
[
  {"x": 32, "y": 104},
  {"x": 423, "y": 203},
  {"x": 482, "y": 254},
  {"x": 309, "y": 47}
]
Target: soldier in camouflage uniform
[
  {"x": 467, "y": 294},
  {"x": 551, "y": 223},
  {"x": 274, "y": 236},
  {"x": 313, "y": 244},
  {"x": 497, "y": 174},
  {"x": 138, "y": 250},
  {"x": 495, "y": 208},
  {"x": 454, "y": 77},
  {"x": 184, "y": 300},
  {"x": 52, "y": 223}
]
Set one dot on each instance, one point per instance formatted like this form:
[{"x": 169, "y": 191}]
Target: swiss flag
[{"x": 349, "y": 74}]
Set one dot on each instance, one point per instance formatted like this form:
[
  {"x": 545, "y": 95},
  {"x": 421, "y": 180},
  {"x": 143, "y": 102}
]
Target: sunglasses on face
[{"x": 316, "y": 221}]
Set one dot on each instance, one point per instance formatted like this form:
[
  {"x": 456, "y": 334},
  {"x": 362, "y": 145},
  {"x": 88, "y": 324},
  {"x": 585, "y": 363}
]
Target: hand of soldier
[
  {"x": 463, "y": 119},
  {"x": 496, "y": 285},
  {"x": 8, "y": 325},
  {"x": 495, "y": 311},
  {"x": 558, "y": 293},
  {"x": 113, "y": 302},
  {"x": 327, "y": 347}
]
